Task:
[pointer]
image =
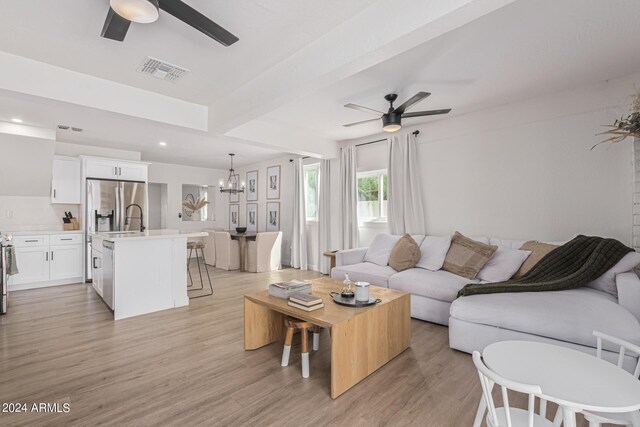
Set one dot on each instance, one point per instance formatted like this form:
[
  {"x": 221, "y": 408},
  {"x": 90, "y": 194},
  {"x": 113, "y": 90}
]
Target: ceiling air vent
[{"x": 161, "y": 69}]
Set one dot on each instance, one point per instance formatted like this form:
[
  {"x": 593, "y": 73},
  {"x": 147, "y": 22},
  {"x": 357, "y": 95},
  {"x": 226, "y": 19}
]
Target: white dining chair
[
  {"x": 227, "y": 251},
  {"x": 626, "y": 348},
  {"x": 210, "y": 249},
  {"x": 265, "y": 253},
  {"x": 507, "y": 416}
]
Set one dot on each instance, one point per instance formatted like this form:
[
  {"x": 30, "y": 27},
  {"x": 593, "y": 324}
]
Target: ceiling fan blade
[
  {"x": 190, "y": 16},
  {"x": 359, "y": 123},
  {"x": 115, "y": 26},
  {"x": 426, "y": 113},
  {"x": 409, "y": 102},
  {"x": 361, "y": 108}
]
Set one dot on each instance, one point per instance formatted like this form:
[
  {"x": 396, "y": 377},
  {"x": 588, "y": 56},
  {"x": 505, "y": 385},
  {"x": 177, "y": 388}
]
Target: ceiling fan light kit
[
  {"x": 122, "y": 12},
  {"x": 141, "y": 11},
  {"x": 392, "y": 119},
  {"x": 391, "y": 122}
]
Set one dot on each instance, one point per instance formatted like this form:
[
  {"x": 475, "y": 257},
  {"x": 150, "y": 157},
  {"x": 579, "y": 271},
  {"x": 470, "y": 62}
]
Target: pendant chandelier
[{"x": 232, "y": 183}]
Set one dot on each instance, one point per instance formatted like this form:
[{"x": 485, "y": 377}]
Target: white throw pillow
[
  {"x": 511, "y": 244},
  {"x": 433, "y": 251},
  {"x": 419, "y": 238},
  {"x": 607, "y": 282},
  {"x": 503, "y": 264},
  {"x": 380, "y": 249}
]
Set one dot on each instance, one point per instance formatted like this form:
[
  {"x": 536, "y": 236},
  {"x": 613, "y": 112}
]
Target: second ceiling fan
[
  {"x": 123, "y": 12},
  {"x": 392, "y": 119}
]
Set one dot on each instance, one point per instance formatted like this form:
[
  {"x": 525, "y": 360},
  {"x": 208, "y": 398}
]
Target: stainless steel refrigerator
[{"x": 113, "y": 206}]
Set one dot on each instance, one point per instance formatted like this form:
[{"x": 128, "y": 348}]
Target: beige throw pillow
[
  {"x": 405, "y": 254},
  {"x": 538, "y": 251},
  {"x": 466, "y": 257}
]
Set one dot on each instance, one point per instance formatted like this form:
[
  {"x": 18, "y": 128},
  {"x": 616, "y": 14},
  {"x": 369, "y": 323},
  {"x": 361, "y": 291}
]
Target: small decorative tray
[{"x": 351, "y": 302}]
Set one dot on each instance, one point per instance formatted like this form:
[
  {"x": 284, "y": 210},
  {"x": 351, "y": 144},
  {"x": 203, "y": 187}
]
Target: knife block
[{"x": 70, "y": 226}]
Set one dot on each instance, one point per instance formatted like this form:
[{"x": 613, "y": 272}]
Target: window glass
[
  {"x": 372, "y": 196},
  {"x": 311, "y": 192}
]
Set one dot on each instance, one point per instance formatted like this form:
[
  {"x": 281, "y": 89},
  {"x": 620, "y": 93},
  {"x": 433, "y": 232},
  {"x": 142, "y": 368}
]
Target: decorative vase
[{"x": 196, "y": 215}]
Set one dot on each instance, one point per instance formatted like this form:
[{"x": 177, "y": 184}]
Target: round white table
[{"x": 575, "y": 380}]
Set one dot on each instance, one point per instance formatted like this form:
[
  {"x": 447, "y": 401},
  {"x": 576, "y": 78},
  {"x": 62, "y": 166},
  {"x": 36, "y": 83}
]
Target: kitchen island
[{"x": 141, "y": 272}]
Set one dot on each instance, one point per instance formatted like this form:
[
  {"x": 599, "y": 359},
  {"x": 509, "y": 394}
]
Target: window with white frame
[
  {"x": 372, "y": 196},
  {"x": 311, "y": 175}
]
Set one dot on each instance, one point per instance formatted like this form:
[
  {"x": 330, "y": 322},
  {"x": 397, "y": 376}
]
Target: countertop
[
  {"x": 149, "y": 235},
  {"x": 39, "y": 232}
]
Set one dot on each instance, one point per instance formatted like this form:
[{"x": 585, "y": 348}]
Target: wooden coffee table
[{"x": 362, "y": 339}]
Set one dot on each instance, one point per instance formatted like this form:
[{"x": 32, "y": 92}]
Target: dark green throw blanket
[{"x": 572, "y": 265}]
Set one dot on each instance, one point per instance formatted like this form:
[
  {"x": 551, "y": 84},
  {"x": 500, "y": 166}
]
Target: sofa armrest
[
  {"x": 628, "y": 285},
  {"x": 350, "y": 256}
]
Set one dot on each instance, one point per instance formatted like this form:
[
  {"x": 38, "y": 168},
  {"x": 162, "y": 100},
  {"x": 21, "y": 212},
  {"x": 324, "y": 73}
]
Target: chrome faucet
[{"x": 126, "y": 218}]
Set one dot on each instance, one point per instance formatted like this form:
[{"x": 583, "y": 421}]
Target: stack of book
[
  {"x": 305, "y": 302},
  {"x": 285, "y": 289}
]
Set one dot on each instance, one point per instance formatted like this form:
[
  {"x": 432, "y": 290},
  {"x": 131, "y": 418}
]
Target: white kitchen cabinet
[
  {"x": 47, "y": 259},
  {"x": 33, "y": 265},
  {"x": 132, "y": 171},
  {"x": 96, "y": 270},
  {"x": 66, "y": 180},
  {"x": 115, "y": 169},
  {"x": 65, "y": 262}
]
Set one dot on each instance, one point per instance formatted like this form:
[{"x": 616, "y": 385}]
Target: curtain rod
[{"x": 415, "y": 133}]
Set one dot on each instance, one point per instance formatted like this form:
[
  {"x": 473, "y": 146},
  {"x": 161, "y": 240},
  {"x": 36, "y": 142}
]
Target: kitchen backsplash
[{"x": 32, "y": 213}]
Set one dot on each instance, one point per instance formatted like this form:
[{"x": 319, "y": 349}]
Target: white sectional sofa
[{"x": 566, "y": 318}]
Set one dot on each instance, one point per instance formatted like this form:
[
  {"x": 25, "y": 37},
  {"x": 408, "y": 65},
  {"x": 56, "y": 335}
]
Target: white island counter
[{"x": 141, "y": 272}]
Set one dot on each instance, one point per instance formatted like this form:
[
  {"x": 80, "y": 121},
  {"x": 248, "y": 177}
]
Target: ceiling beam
[{"x": 381, "y": 31}]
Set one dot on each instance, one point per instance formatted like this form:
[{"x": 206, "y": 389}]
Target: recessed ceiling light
[
  {"x": 16, "y": 120},
  {"x": 162, "y": 143}
]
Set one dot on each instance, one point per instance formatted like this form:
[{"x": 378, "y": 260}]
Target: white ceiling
[
  {"x": 521, "y": 51},
  {"x": 282, "y": 87},
  {"x": 112, "y": 130},
  {"x": 66, "y": 33}
]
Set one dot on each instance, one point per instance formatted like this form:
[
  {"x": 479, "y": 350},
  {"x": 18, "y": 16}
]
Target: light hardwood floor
[{"x": 187, "y": 367}]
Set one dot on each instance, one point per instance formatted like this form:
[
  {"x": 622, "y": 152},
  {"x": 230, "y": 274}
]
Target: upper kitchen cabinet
[
  {"x": 65, "y": 181},
  {"x": 125, "y": 170}
]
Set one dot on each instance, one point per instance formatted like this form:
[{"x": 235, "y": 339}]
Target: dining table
[
  {"x": 242, "y": 241},
  {"x": 574, "y": 380}
]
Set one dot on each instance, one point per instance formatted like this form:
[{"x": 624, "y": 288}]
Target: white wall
[
  {"x": 286, "y": 199},
  {"x": 526, "y": 170},
  {"x": 25, "y": 185},
  {"x": 176, "y": 175},
  {"x": 75, "y": 150}
]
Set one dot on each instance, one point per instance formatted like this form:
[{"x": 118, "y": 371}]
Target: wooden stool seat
[
  {"x": 292, "y": 322},
  {"x": 196, "y": 245},
  {"x": 292, "y": 325}
]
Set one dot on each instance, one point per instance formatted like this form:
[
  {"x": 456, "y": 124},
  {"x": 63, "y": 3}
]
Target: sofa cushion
[
  {"x": 570, "y": 315},
  {"x": 365, "y": 272},
  {"x": 538, "y": 251},
  {"x": 439, "y": 285},
  {"x": 433, "y": 251},
  {"x": 466, "y": 257},
  {"x": 405, "y": 254},
  {"x": 380, "y": 249},
  {"x": 511, "y": 244},
  {"x": 503, "y": 264},
  {"x": 607, "y": 282}
]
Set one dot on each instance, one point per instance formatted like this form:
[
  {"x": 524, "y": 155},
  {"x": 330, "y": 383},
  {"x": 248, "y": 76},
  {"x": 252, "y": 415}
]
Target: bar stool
[
  {"x": 195, "y": 246},
  {"x": 292, "y": 325}
]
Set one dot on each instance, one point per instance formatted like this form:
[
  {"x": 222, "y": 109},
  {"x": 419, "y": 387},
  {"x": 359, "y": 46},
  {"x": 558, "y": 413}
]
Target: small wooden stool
[
  {"x": 195, "y": 246},
  {"x": 292, "y": 324}
]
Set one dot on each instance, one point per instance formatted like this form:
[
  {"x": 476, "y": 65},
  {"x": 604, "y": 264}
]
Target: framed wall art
[
  {"x": 273, "y": 182},
  {"x": 273, "y": 216},
  {"x": 252, "y": 217},
  {"x": 252, "y": 186}
]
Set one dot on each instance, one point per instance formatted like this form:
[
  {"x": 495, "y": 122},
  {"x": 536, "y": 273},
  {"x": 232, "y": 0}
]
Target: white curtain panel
[
  {"x": 349, "y": 197},
  {"x": 324, "y": 215},
  {"x": 299, "y": 240},
  {"x": 405, "y": 209}
]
